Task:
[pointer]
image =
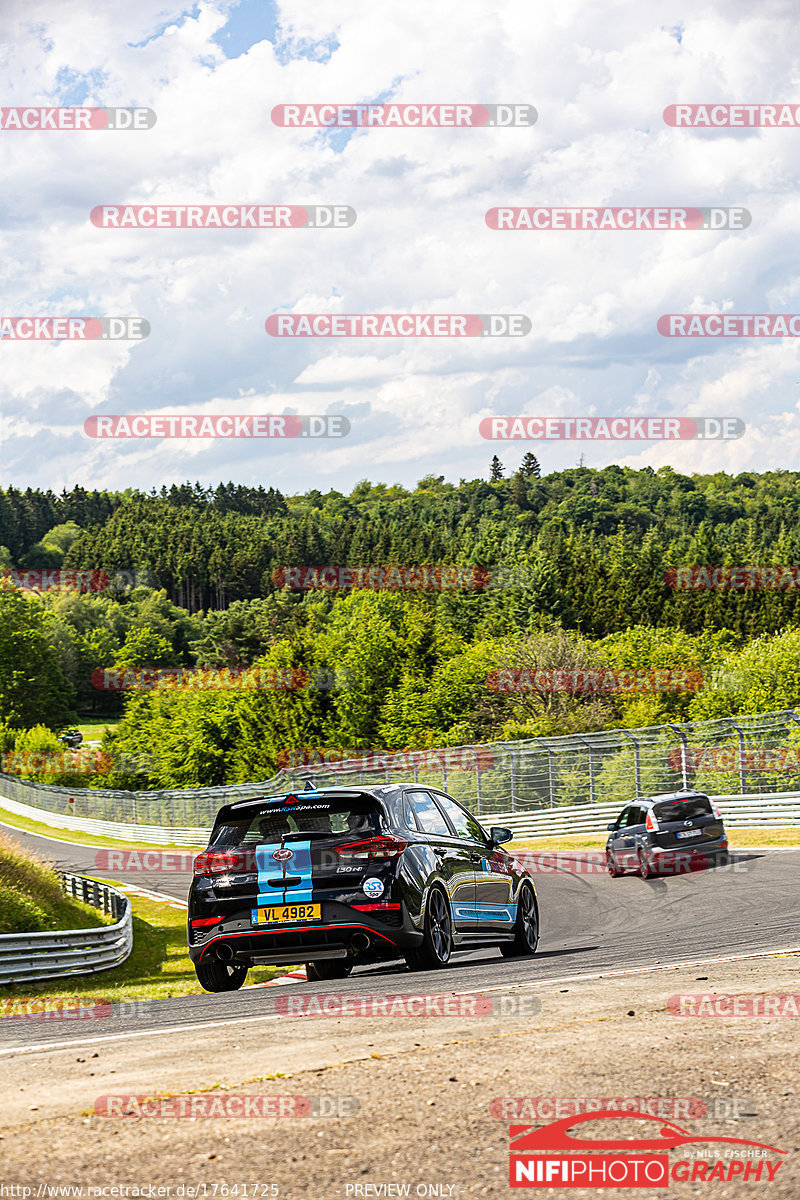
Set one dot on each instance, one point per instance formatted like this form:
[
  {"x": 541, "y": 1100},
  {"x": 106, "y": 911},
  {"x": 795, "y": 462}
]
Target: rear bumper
[
  {"x": 674, "y": 859},
  {"x": 345, "y": 933}
]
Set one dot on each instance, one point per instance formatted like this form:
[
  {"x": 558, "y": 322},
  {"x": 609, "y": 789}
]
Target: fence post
[
  {"x": 637, "y": 765},
  {"x": 478, "y": 780},
  {"x": 551, "y": 775},
  {"x": 513, "y": 781},
  {"x": 684, "y": 754},
  {"x": 742, "y": 776},
  {"x": 587, "y": 743}
]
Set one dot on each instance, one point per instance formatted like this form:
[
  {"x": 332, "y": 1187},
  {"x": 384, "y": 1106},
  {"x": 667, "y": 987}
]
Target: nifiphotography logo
[{"x": 551, "y": 1157}]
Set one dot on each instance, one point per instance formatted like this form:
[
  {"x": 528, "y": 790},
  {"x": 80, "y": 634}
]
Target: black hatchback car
[
  {"x": 670, "y": 833},
  {"x": 353, "y": 875}
]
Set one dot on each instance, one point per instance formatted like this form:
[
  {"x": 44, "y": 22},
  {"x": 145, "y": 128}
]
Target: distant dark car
[
  {"x": 667, "y": 833},
  {"x": 71, "y": 738},
  {"x": 353, "y": 875}
]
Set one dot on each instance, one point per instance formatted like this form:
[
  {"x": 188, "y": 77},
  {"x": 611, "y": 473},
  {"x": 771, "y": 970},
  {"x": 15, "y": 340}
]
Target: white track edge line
[{"x": 169, "y": 1029}]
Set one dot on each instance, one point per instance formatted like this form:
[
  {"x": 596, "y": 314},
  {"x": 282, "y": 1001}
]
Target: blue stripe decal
[
  {"x": 295, "y": 890},
  {"x": 490, "y": 912}
]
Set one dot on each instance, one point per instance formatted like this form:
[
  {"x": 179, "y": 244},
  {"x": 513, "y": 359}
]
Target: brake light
[
  {"x": 377, "y": 847},
  {"x": 223, "y": 862},
  {"x": 205, "y": 921},
  {"x": 650, "y": 823},
  {"x": 716, "y": 812}
]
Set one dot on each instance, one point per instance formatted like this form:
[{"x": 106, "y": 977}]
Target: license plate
[
  {"x": 684, "y": 833},
  {"x": 286, "y": 914}
]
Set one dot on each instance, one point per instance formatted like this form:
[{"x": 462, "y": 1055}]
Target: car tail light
[
  {"x": 219, "y": 862},
  {"x": 379, "y": 907},
  {"x": 195, "y": 921},
  {"x": 716, "y": 812},
  {"x": 376, "y": 847},
  {"x": 650, "y": 824}
]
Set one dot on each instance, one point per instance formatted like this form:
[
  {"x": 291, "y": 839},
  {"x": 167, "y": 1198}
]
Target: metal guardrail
[
  {"x": 155, "y": 835},
  {"x": 768, "y": 811},
  {"x": 25, "y": 957},
  {"x": 757, "y": 754}
]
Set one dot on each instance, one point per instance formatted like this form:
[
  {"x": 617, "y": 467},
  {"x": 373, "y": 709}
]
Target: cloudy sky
[{"x": 599, "y": 77}]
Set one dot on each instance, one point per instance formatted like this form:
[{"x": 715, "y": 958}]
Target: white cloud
[{"x": 599, "y": 78}]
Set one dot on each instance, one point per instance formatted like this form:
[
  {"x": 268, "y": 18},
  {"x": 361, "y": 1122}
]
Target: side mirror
[
  {"x": 499, "y": 834},
  {"x": 611, "y": 828}
]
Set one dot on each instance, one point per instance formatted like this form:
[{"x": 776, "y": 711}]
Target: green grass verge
[
  {"x": 93, "y": 728},
  {"x": 738, "y": 839},
  {"x": 159, "y": 966},
  {"x": 31, "y": 899}
]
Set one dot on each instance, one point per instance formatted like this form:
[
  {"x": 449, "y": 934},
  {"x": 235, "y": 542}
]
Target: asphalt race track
[{"x": 591, "y": 924}]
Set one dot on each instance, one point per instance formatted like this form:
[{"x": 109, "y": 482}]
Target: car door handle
[{"x": 440, "y": 850}]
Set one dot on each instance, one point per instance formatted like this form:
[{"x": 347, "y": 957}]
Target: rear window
[
  {"x": 683, "y": 810},
  {"x": 315, "y": 820}
]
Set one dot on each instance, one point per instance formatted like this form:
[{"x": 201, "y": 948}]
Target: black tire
[
  {"x": 526, "y": 927},
  {"x": 645, "y": 870},
  {"x": 216, "y": 976},
  {"x": 611, "y": 866},
  {"x": 328, "y": 968},
  {"x": 437, "y": 941}
]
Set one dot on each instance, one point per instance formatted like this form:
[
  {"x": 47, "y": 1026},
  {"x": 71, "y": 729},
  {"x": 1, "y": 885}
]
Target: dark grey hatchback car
[{"x": 671, "y": 833}]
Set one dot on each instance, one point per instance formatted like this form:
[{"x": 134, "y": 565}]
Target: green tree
[{"x": 33, "y": 688}]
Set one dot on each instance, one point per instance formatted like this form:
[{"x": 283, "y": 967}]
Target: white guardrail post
[{"x": 26, "y": 957}]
